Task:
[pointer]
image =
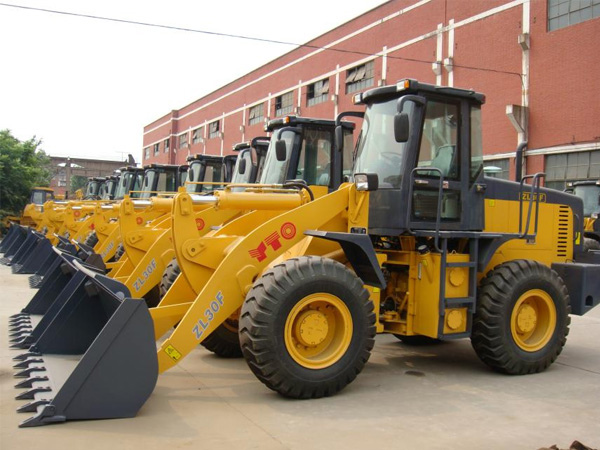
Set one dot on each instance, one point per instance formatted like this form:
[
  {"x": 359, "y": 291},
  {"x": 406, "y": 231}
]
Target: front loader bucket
[
  {"x": 41, "y": 256},
  {"x": 33, "y": 253},
  {"x": 15, "y": 247},
  {"x": 63, "y": 282},
  {"x": 95, "y": 360},
  {"x": 14, "y": 232}
]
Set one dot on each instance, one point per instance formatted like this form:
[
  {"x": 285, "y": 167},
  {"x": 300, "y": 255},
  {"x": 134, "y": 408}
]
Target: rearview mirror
[
  {"x": 401, "y": 127},
  {"x": 242, "y": 167},
  {"x": 280, "y": 150}
]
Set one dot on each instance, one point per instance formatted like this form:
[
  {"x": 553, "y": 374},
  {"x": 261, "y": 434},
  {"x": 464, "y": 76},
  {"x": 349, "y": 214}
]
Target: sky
[{"x": 87, "y": 87}]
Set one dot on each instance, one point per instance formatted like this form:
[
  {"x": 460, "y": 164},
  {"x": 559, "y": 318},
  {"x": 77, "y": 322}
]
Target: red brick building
[{"x": 536, "y": 60}]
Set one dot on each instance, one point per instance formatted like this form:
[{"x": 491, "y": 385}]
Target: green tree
[
  {"x": 23, "y": 165},
  {"x": 77, "y": 182}
]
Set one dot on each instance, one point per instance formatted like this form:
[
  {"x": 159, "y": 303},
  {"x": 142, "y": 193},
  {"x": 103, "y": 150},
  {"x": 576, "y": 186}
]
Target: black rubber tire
[
  {"x": 417, "y": 340},
  {"x": 590, "y": 244},
  {"x": 91, "y": 239},
  {"x": 169, "y": 276},
  {"x": 118, "y": 253},
  {"x": 223, "y": 341},
  {"x": 265, "y": 312},
  {"x": 498, "y": 293}
]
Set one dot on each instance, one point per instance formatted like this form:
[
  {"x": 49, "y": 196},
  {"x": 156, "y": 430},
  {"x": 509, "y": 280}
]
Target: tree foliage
[
  {"x": 78, "y": 182},
  {"x": 23, "y": 165}
]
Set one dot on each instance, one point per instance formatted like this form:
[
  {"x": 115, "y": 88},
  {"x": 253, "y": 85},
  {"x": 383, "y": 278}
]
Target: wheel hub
[
  {"x": 311, "y": 328},
  {"x": 526, "y": 318}
]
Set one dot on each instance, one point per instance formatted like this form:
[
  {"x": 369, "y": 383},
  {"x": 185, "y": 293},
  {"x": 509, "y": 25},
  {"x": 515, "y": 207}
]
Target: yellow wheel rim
[
  {"x": 232, "y": 322},
  {"x": 533, "y": 320},
  {"x": 318, "y": 331}
]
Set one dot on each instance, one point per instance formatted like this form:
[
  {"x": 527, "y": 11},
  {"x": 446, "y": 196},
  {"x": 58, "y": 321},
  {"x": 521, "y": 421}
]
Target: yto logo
[
  {"x": 77, "y": 213},
  {"x": 287, "y": 231},
  {"x": 199, "y": 224},
  {"x": 139, "y": 220}
]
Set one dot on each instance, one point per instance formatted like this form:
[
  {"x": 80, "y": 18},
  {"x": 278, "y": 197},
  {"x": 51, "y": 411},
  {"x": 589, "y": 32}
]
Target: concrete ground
[{"x": 434, "y": 397}]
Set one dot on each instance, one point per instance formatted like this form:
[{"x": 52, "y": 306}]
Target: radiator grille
[{"x": 562, "y": 241}]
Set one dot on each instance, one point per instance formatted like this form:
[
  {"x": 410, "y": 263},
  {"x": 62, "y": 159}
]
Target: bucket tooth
[
  {"x": 30, "y": 394},
  {"x": 24, "y": 356},
  {"x": 45, "y": 416},
  {"x": 35, "y": 281},
  {"x": 24, "y": 332},
  {"x": 25, "y": 364},
  {"x": 32, "y": 406},
  {"x": 23, "y": 343},
  {"x": 19, "y": 328},
  {"x": 5, "y": 260},
  {"x": 15, "y": 268},
  {"x": 20, "y": 320},
  {"x": 18, "y": 316},
  {"x": 27, "y": 372},
  {"x": 28, "y": 383}
]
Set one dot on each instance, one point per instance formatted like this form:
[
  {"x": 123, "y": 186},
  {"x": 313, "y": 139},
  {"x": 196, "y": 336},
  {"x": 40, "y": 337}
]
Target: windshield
[
  {"x": 38, "y": 197},
  {"x": 92, "y": 189},
  {"x": 244, "y": 177},
  {"x": 314, "y": 162},
  {"x": 123, "y": 183},
  {"x": 194, "y": 173},
  {"x": 376, "y": 150},
  {"x": 149, "y": 181},
  {"x": 275, "y": 172},
  {"x": 213, "y": 174},
  {"x": 591, "y": 198}
]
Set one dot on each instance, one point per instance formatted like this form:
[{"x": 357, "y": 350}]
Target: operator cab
[
  {"x": 422, "y": 140},
  {"x": 250, "y": 160},
  {"x": 303, "y": 149},
  {"x": 162, "y": 178},
  {"x": 131, "y": 179},
  {"x": 93, "y": 190},
  {"x": 589, "y": 192},
  {"x": 205, "y": 169},
  {"x": 40, "y": 195}
]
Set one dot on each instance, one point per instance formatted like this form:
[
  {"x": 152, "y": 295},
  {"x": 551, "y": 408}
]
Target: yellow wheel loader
[
  {"x": 589, "y": 192},
  {"x": 418, "y": 243}
]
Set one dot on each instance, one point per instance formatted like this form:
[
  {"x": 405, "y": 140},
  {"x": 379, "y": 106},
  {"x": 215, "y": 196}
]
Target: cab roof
[
  {"x": 290, "y": 121},
  {"x": 410, "y": 86}
]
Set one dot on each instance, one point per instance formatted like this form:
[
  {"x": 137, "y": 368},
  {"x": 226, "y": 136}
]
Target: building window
[
  {"x": 360, "y": 77},
  {"x": 497, "y": 168},
  {"x": 147, "y": 153},
  {"x": 255, "y": 114},
  {"x": 561, "y": 169},
  {"x": 156, "y": 149},
  {"x": 562, "y": 13},
  {"x": 213, "y": 130},
  {"x": 317, "y": 92},
  {"x": 166, "y": 145},
  {"x": 197, "y": 135},
  {"x": 284, "y": 104},
  {"x": 183, "y": 141}
]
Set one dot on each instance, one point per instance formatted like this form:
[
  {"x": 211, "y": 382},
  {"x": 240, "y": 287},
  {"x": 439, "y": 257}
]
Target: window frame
[
  {"x": 281, "y": 106},
  {"x": 360, "y": 77}
]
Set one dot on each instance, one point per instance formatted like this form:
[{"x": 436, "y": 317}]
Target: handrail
[
  {"x": 535, "y": 184},
  {"x": 438, "y": 218}
]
